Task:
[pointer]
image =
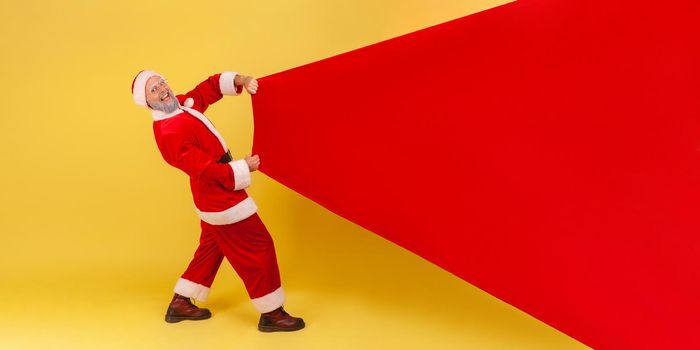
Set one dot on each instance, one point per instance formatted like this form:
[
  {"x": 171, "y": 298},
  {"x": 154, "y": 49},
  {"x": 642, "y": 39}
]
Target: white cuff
[
  {"x": 226, "y": 83},
  {"x": 189, "y": 289},
  {"x": 269, "y": 302},
  {"x": 241, "y": 174}
]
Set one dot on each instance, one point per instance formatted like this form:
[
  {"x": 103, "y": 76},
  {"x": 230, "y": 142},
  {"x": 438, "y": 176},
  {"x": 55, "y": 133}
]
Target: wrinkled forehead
[{"x": 154, "y": 80}]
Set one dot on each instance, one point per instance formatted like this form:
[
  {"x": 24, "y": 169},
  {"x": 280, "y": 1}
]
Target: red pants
[{"x": 248, "y": 246}]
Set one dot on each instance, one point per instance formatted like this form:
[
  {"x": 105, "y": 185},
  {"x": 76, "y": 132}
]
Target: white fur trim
[
  {"x": 139, "y": 91},
  {"x": 208, "y": 124},
  {"x": 243, "y": 210},
  {"x": 160, "y": 115},
  {"x": 241, "y": 173},
  {"x": 226, "y": 83},
  {"x": 189, "y": 289},
  {"x": 270, "y": 301},
  {"x": 189, "y": 102}
]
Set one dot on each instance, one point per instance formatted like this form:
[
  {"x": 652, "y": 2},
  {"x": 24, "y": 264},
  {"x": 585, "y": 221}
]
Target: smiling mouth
[{"x": 165, "y": 96}]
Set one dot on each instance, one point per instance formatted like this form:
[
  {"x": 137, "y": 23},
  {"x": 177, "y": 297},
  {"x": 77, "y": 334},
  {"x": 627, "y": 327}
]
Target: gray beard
[{"x": 167, "y": 107}]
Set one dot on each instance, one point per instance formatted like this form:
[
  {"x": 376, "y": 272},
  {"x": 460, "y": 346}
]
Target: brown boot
[
  {"x": 279, "y": 320},
  {"x": 181, "y": 308}
]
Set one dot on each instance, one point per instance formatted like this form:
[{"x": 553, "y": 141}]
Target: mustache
[{"x": 166, "y": 107}]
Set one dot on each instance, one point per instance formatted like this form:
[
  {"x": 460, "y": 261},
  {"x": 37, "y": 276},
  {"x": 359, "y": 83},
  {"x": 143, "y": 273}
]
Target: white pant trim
[
  {"x": 189, "y": 289},
  {"x": 269, "y": 302}
]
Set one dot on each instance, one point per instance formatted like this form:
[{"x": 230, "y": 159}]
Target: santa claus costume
[{"x": 230, "y": 224}]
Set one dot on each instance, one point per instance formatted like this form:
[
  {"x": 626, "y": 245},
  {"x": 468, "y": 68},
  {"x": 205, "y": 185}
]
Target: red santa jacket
[{"x": 188, "y": 141}]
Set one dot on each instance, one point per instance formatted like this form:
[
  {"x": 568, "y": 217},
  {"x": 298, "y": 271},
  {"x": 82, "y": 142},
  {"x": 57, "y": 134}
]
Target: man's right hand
[
  {"x": 253, "y": 162},
  {"x": 244, "y": 81}
]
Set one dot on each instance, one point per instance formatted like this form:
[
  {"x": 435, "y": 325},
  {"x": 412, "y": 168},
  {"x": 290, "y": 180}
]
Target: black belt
[{"x": 226, "y": 158}]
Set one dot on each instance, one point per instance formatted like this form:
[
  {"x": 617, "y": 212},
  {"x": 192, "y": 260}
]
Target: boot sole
[
  {"x": 175, "y": 319},
  {"x": 269, "y": 329}
]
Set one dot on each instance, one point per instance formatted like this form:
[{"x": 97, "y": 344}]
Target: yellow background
[{"x": 96, "y": 228}]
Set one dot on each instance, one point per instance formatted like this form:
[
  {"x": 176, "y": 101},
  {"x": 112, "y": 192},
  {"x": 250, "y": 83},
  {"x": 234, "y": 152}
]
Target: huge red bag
[{"x": 544, "y": 151}]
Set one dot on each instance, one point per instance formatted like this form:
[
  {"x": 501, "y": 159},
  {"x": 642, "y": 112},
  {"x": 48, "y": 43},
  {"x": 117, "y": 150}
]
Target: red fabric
[
  {"x": 545, "y": 151},
  {"x": 204, "y": 94},
  {"x": 247, "y": 245},
  {"x": 187, "y": 144}
]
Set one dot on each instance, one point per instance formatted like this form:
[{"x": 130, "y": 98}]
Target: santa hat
[{"x": 138, "y": 86}]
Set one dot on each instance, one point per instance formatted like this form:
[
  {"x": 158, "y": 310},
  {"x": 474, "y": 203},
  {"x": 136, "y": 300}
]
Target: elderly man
[{"x": 230, "y": 224}]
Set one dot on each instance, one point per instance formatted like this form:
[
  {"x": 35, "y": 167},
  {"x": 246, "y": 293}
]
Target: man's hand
[
  {"x": 249, "y": 83},
  {"x": 253, "y": 162}
]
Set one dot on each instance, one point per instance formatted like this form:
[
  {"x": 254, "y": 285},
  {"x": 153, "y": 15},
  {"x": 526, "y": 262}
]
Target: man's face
[{"x": 159, "y": 96}]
